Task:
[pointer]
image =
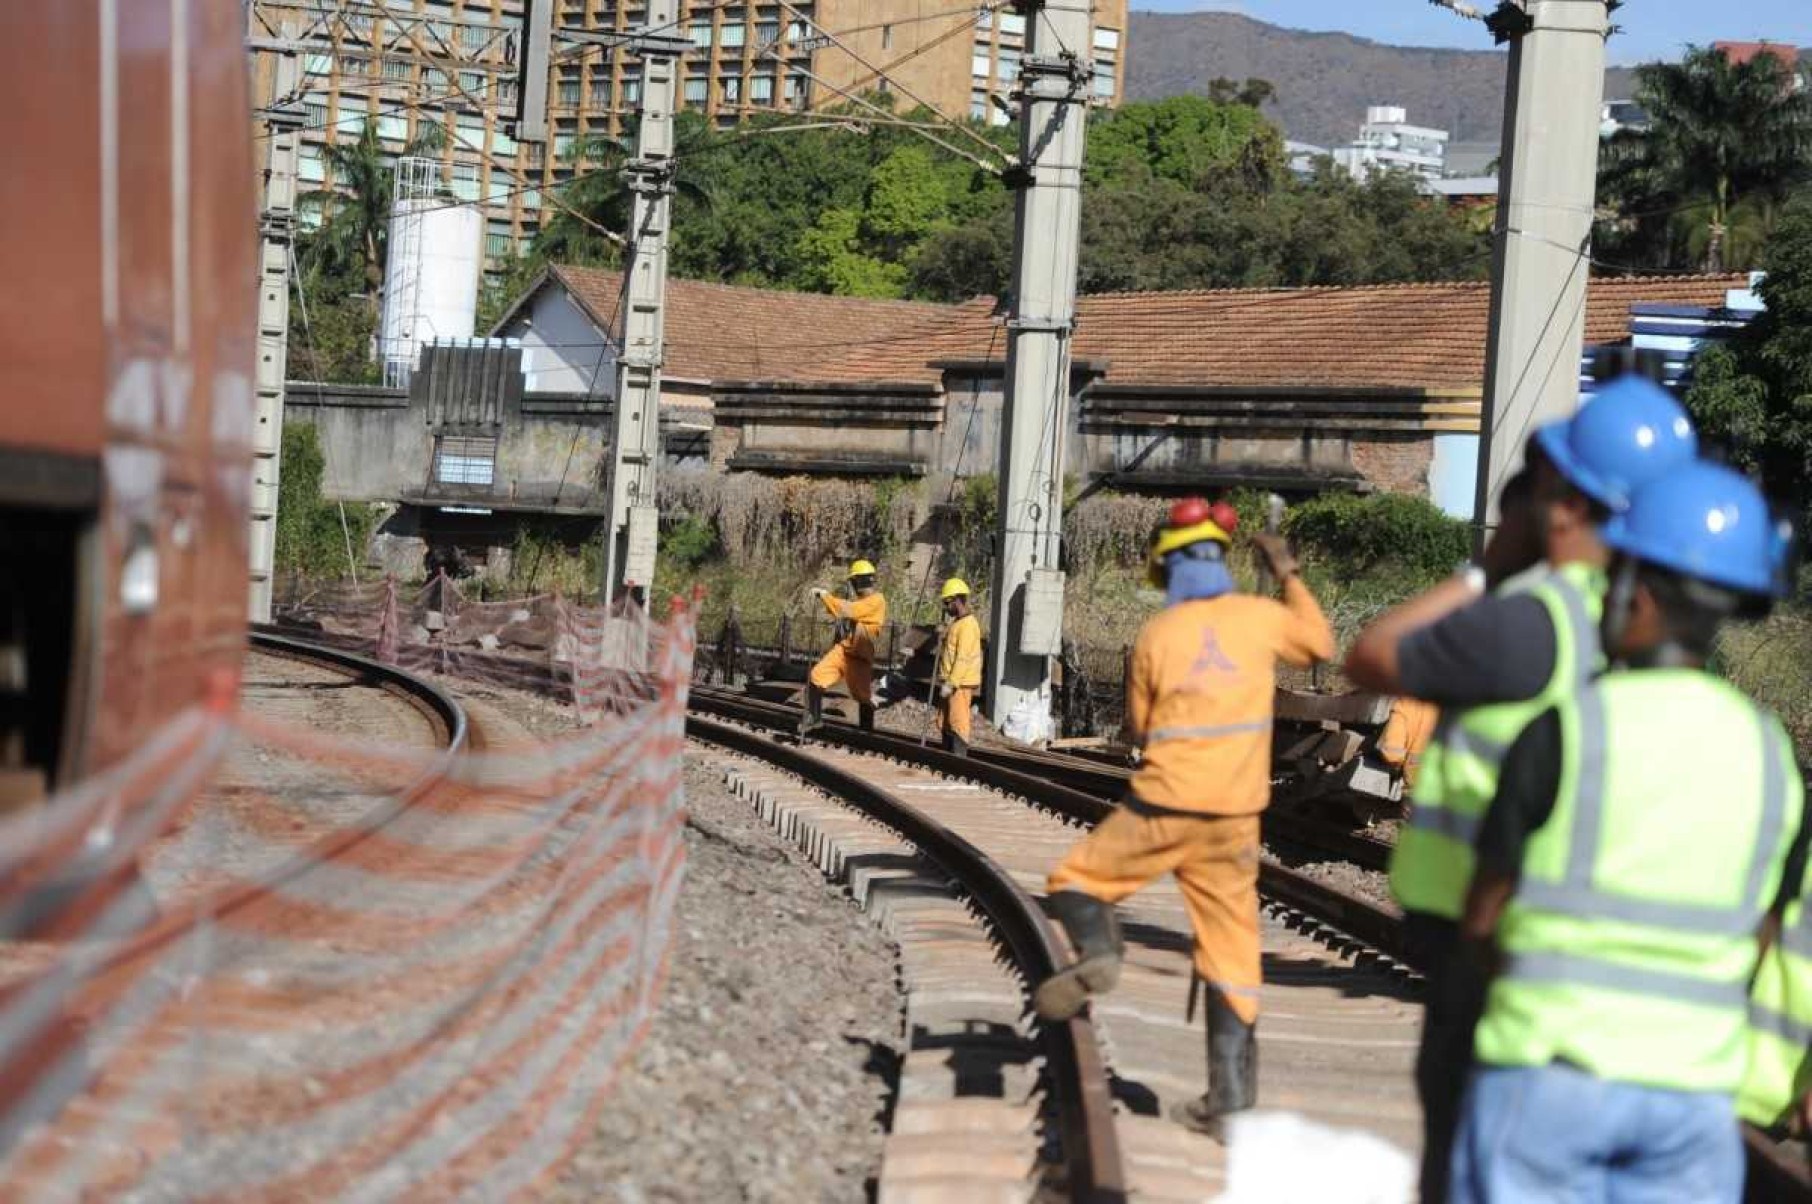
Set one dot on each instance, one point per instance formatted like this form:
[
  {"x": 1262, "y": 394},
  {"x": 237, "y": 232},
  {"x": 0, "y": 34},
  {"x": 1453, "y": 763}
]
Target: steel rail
[{"x": 1078, "y": 1075}]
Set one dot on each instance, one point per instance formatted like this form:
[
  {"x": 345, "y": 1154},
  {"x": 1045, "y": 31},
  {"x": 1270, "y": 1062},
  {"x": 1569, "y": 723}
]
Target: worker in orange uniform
[
  {"x": 959, "y": 667},
  {"x": 1199, "y": 704},
  {"x": 1405, "y": 735},
  {"x": 851, "y": 659}
]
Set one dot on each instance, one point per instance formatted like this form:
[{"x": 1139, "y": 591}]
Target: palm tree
[
  {"x": 355, "y": 212},
  {"x": 1720, "y": 134}
]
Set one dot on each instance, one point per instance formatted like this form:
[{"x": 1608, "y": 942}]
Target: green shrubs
[
  {"x": 313, "y": 534},
  {"x": 1405, "y": 536}
]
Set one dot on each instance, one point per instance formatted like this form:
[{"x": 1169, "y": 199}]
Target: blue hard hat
[
  {"x": 1632, "y": 431},
  {"x": 1707, "y": 522}
]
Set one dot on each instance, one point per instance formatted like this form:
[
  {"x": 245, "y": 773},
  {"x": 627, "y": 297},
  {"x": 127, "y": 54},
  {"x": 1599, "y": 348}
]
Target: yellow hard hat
[
  {"x": 861, "y": 568},
  {"x": 1171, "y": 539},
  {"x": 956, "y": 587}
]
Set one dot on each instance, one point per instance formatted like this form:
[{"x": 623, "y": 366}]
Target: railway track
[{"x": 1341, "y": 1018}]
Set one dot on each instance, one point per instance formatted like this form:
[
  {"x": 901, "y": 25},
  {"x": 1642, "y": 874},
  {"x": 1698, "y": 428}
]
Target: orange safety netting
[{"x": 416, "y": 978}]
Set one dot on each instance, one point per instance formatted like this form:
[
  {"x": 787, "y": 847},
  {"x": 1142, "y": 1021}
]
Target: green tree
[
  {"x": 1721, "y": 135},
  {"x": 355, "y": 209},
  {"x": 1755, "y": 395}
]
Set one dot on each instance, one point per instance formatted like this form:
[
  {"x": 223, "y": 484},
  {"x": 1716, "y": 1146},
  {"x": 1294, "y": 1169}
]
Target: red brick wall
[{"x": 1395, "y": 463}]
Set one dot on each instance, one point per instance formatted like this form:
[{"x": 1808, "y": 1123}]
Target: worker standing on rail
[
  {"x": 959, "y": 667},
  {"x": 1491, "y": 664},
  {"x": 1199, "y": 701},
  {"x": 852, "y": 658},
  {"x": 1405, "y": 736},
  {"x": 1640, "y": 836}
]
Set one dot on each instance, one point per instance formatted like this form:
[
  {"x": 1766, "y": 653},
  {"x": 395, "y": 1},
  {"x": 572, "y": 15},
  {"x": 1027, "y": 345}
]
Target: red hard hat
[
  {"x": 1189, "y": 512},
  {"x": 1225, "y": 516}
]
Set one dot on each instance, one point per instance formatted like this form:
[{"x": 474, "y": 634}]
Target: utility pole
[
  {"x": 283, "y": 119},
  {"x": 1547, "y": 187},
  {"x": 1026, "y": 606},
  {"x": 631, "y": 519}
]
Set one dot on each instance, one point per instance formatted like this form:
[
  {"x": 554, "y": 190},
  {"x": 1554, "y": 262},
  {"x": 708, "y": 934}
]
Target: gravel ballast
[{"x": 769, "y": 1067}]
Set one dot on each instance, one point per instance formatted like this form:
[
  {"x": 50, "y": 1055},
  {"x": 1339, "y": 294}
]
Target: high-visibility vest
[
  {"x": 1431, "y": 866},
  {"x": 1628, "y": 946},
  {"x": 1778, "y": 1070}
]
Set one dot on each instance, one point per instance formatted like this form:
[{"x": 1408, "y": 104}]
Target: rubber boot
[
  {"x": 813, "y": 718},
  {"x": 865, "y": 716},
  {"x": 1094, "y": 931},
  {"x": 1232, "y": 1071}
]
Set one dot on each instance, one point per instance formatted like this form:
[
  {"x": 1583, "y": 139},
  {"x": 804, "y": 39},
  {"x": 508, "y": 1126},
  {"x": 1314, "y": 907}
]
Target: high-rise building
[
  {"x": 411, "y": 64},
  {"x": 1388, "y": 141}
]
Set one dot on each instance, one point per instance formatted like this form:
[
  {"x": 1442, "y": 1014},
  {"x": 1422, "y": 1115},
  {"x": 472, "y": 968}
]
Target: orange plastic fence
[{"x": 416, "y": 983}]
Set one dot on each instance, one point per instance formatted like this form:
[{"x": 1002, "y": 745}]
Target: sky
[{"x": 1650, "y": 28}]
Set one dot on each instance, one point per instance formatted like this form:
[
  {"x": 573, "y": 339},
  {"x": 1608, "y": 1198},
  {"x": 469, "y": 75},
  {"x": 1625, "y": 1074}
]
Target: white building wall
[{"x": 562, "y": 352}]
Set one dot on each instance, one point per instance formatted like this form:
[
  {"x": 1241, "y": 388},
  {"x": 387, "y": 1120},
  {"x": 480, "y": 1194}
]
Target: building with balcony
[
  {"x": 1387, "y": 141},
  {"x": 409, "y": 64}
]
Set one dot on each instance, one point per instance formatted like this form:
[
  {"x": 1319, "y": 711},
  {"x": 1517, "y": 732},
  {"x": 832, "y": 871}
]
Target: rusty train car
[{"x": 128, "y": 331}]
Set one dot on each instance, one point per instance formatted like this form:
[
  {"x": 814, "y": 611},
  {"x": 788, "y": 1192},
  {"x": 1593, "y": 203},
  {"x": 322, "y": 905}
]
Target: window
[
  {"x": 978, "y": 107},
  {"x": 394, "y": 126},
  {"x": 317, "y": 64},
  {"x": 732, "y": 34},
  {"x": 470, "y": 131},
  {"x": 886, "y": 37},
  {"x": 1012, "y": 23},
  {"x": 396, "y": 69},
  {"x": 563, "y": 147},
  {"x": 767, "y": 32},
  {"x": 309, "y": 166},
  {"x": 761, "y": 89},
  {"x": 980, "y": 66},
  {"x": 797, "y": 91},
  {"x": 314, "y": 112},
  {"x": 1104, "y": 80},
  {"x": 465, "y": 181},
  {"x": 1009, "y": 66},
  {"x": 984, "y": 19},
  {"x": 460, "y": 460},
  {"x": 731, "y": 89},
  {"x": 695, "y": 91},
  {"x": 473, "y": 82},
  {"x": 351, "y": 118},
  {"x": 1107, "y": 39},
  {"x": 498, "y": 187},
  {"x": 506, "y": 91},
  {"x": 472, "y": 37},
  {"x": 701, "y": 33},
  {"x": 502, "y": 143},
  {"x": 355, "y": 64},
  {"x": 632, "y": 91},
  {"x": 600, "y": 92},
  {"x": 796, "y": 32},
  {"x": 434, "y": 79},
  {"x": 497, "y": 242},
  {"x": 569, "y": 93},
  {"x": 531, "y": 199}
]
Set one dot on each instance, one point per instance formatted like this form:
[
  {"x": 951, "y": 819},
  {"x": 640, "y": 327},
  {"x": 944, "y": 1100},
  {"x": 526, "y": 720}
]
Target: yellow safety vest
[
  {"x": 1778, "y": 1070},
  {"x": 1431, "y": 865},
  {"x": 1629, "y": 944}
]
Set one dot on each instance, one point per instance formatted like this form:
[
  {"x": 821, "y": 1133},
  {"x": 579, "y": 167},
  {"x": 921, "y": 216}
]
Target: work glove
[
  {"x": 945, "y": 691},
  {"x": 818, "y": 593}
]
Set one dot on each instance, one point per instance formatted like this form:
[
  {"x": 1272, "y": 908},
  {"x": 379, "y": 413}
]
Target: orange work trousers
[
  {"x": 953, "y": 713},
  {"x": 1215, "y": 860},
  {"x": 841, "y": 665}
]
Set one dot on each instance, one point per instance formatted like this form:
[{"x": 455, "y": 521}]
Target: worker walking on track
[
  {"x": 1199, "y": 703},
  {"x": 1640, "y": 836},
  {"x": 852, "y": 658},
  {"x": 959, "y": 667},
  {"x": 1491, "y": 664}
]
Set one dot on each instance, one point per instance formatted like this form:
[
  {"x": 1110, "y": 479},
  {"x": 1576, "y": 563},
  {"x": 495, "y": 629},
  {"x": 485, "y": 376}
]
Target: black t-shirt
[
  {"x": 1526, "y": 789},
  {"x": 1500, "y": 648}
]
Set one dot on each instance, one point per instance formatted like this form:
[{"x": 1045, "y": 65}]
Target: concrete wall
[{"x": 562, "y": 352}]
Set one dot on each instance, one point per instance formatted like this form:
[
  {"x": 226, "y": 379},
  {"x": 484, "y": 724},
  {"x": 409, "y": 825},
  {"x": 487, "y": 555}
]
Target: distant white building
[
  {"x": 1302, "y": 157},
  {"x": 1621, "y": 115},
  {"x": 1387, "y": 140}
]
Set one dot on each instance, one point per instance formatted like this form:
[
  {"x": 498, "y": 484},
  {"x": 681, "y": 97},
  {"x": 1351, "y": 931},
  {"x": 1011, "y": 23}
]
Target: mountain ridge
[{"x": 1325, "y": 80}]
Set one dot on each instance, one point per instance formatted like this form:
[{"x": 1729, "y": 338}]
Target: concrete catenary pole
[
  {"x": 282, "y": 118},
  {"x": 631, "y": 520},
  {"x": 1541, "y": 257},
  {"x": 1026, "y": 607}
]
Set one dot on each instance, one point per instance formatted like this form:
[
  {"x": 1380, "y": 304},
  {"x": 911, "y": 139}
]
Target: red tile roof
[
  {"x": 1406, "y": 335},
  {"x": 726, "y": 332},
  {"x": 1429, "y": 336},
  {"x": 1741, "y": 52}
]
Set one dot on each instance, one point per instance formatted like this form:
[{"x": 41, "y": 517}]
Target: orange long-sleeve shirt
[
  {"x": 1200, "y": 697},
  {"x": 866, "y": 615},
  {"x": 1406, "y": 734}
]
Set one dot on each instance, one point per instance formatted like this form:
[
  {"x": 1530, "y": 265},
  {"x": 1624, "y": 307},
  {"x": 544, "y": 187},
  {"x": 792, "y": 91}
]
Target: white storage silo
[{"x": 434, "y": 260}]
